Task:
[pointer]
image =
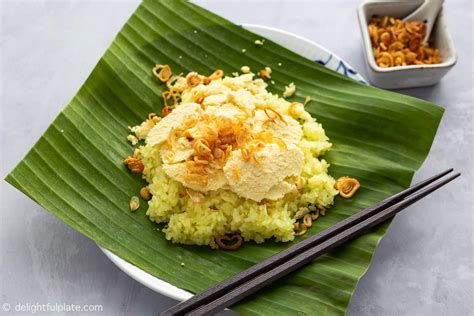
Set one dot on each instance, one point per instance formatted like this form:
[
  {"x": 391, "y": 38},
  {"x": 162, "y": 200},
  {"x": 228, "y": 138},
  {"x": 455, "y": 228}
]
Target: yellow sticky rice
[{"x": 223, "y": 211}]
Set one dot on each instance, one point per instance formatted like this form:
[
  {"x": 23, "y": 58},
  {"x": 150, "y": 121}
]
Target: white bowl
[
  {"x": 405, "y": 76},
  {"x": 300, "y": 46}
]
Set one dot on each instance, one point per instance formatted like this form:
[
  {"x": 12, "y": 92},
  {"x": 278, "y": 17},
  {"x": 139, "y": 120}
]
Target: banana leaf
[{"x": 76, "y": 169}]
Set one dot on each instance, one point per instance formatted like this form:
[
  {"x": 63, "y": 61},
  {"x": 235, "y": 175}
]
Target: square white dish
[{"x": 410, "y": 76}]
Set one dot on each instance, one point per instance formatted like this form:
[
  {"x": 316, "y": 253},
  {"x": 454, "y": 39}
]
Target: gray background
[{"x": 424, "y": 265}]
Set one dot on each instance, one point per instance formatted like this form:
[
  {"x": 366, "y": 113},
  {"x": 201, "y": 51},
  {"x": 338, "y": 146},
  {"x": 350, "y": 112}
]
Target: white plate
[{"x": 293, "y": 42}]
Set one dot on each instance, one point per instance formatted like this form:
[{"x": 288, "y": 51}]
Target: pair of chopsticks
[{"x": 268, "y": 271}]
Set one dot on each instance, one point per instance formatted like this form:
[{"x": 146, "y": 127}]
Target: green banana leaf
[{"x": 76, "y": 172}]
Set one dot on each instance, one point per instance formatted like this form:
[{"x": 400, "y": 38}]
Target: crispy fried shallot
[
  {"x": 347, "y": 187},
  {"x": 162, "y": 72},
  {"x": 134, "y": 164},
  {"x": 229, "y": 242}
]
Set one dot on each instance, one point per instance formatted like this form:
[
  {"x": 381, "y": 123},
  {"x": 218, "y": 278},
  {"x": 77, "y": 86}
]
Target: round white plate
[{"x": 299, "y": 45}]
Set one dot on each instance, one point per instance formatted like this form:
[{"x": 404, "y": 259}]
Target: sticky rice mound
[{"x": 233, "y": 158}]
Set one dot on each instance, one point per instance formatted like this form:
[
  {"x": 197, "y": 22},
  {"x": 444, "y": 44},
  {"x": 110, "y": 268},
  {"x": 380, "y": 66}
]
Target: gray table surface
[{"x": 424, "y": 265}]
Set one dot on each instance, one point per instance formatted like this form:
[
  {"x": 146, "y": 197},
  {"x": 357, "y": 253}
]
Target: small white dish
[
  {"x": 300, "y": 46},
  {"x": 405, "y": 76}
]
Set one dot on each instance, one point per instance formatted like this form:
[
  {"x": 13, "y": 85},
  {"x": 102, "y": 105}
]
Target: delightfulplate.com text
[{"x": 34, "y": 308}]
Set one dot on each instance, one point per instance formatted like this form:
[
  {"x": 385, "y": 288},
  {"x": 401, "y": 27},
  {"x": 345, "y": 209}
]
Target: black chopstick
[
  {"x": 300, "y": 260},
  {"x": 268, "y": 264}
]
